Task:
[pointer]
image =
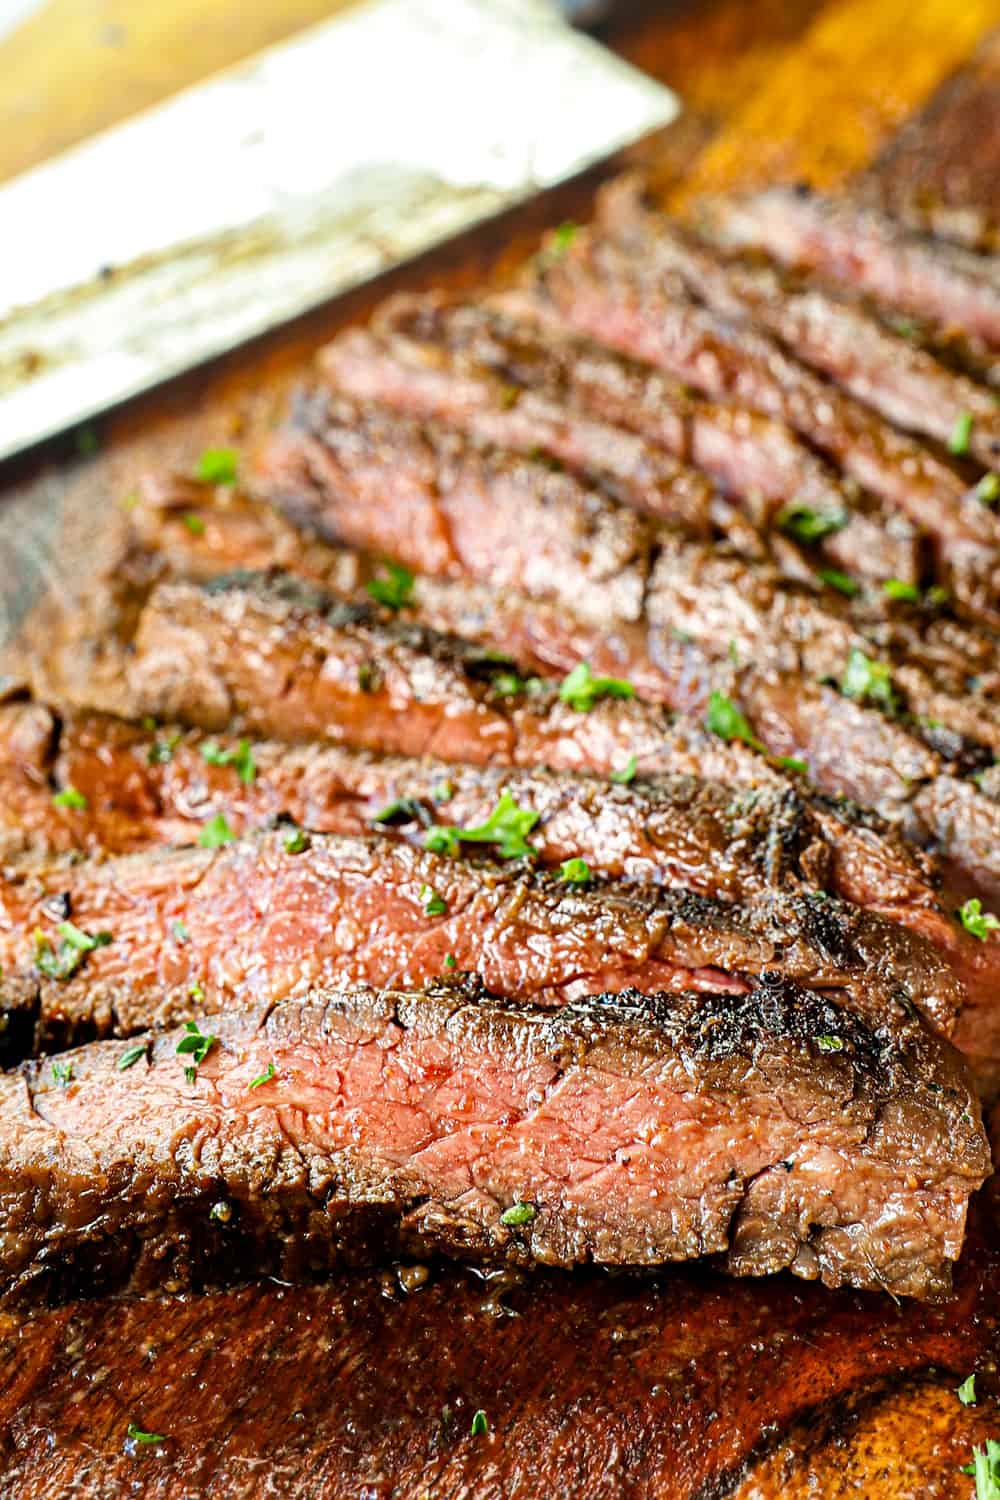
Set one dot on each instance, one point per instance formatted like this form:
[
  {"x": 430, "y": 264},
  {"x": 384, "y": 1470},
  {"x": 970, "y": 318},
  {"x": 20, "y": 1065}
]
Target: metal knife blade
[{"x": 254, "y": 196}]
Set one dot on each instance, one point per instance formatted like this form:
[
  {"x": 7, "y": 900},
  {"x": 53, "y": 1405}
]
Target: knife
[{"x": 261, "y": 192}]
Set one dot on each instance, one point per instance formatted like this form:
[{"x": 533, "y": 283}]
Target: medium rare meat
[
  {"x": 770, "y": 1127},
  {"x": 377, "y": 480},
  {"x": 113, "y": 946},
  {"x": 867, "y": 251},
  {"x": 606, "y": 290},
  {"x": 880, "y": 367},
  {"x": 496, "y": 378}
]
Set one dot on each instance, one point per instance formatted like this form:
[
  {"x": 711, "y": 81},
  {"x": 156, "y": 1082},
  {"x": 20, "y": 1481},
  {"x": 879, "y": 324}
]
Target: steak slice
[
  {"x": 880, "y": 367},
  {"x": 868, "y": 252},
  {"x": 770, "y": 1127},
  {"x": 498, "y": 380},
  {"x": 377, "y": 480},
  {"x": 158, "y": 937},
  {"x": 605, "y": 290}
]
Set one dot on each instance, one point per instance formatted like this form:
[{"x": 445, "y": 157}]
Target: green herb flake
[
  {"x": 966, "y": 1392},
  {"x": 217, "y": 466},
  {"x": 869, "y": 681},
  {"x": 394, "y": 590},
  {"x": 193, "y": 522},
  {"x": 507, "y": 826},
  {"x": 136, "y": 1435},
  {"x": 518, "y": 1214},
  {"x": 724, "y": 719},
  {"x": 216, "y": 832},
  {"x": 433, "y": 904},
  {"x": 195, "y": 1044},
  {"x": 367, "y": 678},
  {"x": 988, "y": 489},
  {"x": 86, "y": 441},
  {"x": 241, "y": 758},
  {"x": 808, "y": 525},
  {"x": 792, "y": 763},
  {"x": 443, "y": 791},
  {"x": 976, "y": 921},
  {"x": 179, "y": 932},
  {"x": 162, "y": 751},
  {"x": 262, "y": 1078},
  {"x": 581, "y": 689},
  {"x": 480, "y": 1424},
  {"x": 961, "y": 432},
  {"x": 830, "y": 1043},
  {"x": 196, "y": 992},
  {"x": 899, "y": 589},
  {"x": 72, "y": 951},
  {"x": 450, "y": 961},
  {"x": 131, "y": 1056},
  {"x": 626, "y": 775},
  {"x": 842, "y": 582},
  {"x": 402, "y": 810},
  {"x": 985, "y": 1470},
  {"x": 70, "y": 797},
  {"x": 936, "y": 597},
  {"x": 297, "y": 841},
  {"x": 62, "y": 1073},
  {"x": 574, "y": 872}
]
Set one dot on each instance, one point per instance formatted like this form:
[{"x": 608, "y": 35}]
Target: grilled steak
[
  {"x": 880, "y": 367},
  {"x": 159, "y": 937},
  {"x": 498, "y": 380},
  {"x": 624, "y": 1130},
  {"x": 605, "y": 290},
  {"x": 868, "y": 252}
]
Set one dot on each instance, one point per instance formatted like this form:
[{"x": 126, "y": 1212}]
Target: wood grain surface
[{"x": 861, "y": 1400}]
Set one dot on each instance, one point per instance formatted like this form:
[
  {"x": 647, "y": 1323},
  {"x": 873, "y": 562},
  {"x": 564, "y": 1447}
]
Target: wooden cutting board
[{"x": 692, "y": 1387}]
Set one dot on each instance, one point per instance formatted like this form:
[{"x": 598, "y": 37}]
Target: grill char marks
[
  {"x": 194, "y": 930},
  {"x": 604, "y": 288},
  {"x": 637, "y": 1130},
  {"x": 867, "y": 251}
]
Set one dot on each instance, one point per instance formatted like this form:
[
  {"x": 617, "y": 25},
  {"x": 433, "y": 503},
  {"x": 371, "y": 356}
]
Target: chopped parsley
[
  {"x": 868, "y": 681},
  {"x": 216, "y": 832},
  {"x": 296, "y": 841},
  {"x": 506, "y": 826},
  {"x": 262, "y": 1078},
  {"x": 480, "y": 1424},
  {"x": 966, "y": 1392},
  {"x": 581, "y": 689},
  {"x": 73, "y": 949},
  {"x": 131, "y": 1056},
  {"x": 830, "y": 1043},
  {"x": 961, "y": 432},
  {"x": 792, "y": 763},
  {"x": 724, "y": 719},
  {"x": 988, "y": 489},
  {"x": 179, "y": 932},
  {"x": 443, "y": 791},
  {"x": 808, "y": 525},
  {"x": 564, "y": 235},
  {"x": 217, "y": 466},
  {"x": 241, "y": 758},
  {"x": 394, "y": 590},
  {"x": 518, "y": 1214},
  {"x": 69, "y": 797},
  {"x": 898, "y": 588},
  {"x": 574, "y": 872},
  {"x": 985, "y": 1469},
  {"x": 403, "y": 810},
  {"x": 976, "y": 921},
  {"x": 196, "y": 1045},
  {"x": 136, "y": 1435},
  {"x": 843, "y": 582},
  {"x": 450, "y": 961},
  {"x": 162, "y": 751},
  {"x": 433, "y": 904},
  {"x": 62, "y": 1073},
  {"x": 626, "y": 775},
  {"x": 196, "y": 992},
  {"x": 193, "y": 522}
]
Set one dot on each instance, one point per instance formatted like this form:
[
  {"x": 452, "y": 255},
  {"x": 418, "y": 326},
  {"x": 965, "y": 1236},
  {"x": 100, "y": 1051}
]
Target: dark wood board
[{"x": 688, "y": 1386}]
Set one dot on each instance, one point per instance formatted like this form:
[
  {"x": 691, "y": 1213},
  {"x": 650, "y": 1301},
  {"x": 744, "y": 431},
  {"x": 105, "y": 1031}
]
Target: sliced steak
[
  {"x": 159, "y": 937},
  {"x": 606, "y": 291},
  {"x": 497, "y": 379},
  {"x": 417, "y": 492},
  {"x": 882, "y": 368},
  {"x": 770, "y": 1127},
  {"x": 868, "y": 252}
]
